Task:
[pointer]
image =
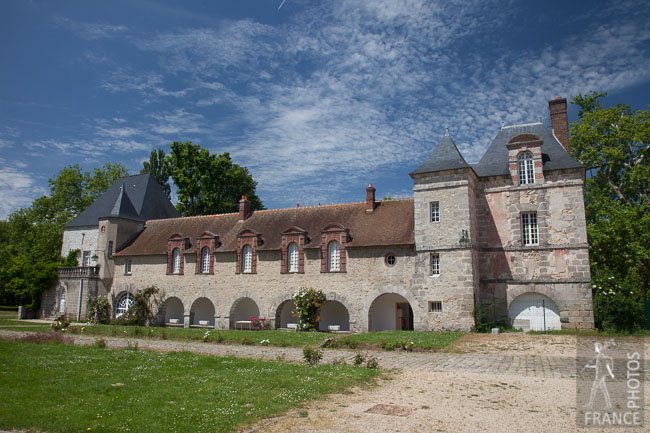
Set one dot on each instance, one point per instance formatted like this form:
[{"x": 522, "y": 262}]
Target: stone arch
[
  {"x": 284, "y": 314},
  {"x": 334, "y": 313},
  {"x": 171, "y": 311},
  {"x": 243, "y": 309},
  {"x": 533, "y": 311},
  {"x": 396, "y": 290},
  {"x": 202, "y": 311},
  {"x": 513, "y": 292}
]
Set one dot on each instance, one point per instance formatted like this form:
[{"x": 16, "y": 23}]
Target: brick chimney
[
  {"x": 244, "y": 208},
  {"x": 559, "y": 121},
  {"x": 370, "y": 199}
]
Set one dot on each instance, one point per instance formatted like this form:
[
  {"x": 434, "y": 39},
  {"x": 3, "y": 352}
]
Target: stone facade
[{"x": 500, "y": 241}]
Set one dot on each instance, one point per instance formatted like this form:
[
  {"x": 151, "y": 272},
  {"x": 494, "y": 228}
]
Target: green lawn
[
  {"x": 59, "y": 388},
  {"x": 392, "y": 340}
]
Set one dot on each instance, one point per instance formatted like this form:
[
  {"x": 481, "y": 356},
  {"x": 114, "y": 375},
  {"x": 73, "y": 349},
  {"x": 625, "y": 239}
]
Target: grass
[
  {"x": 388, "y": 340},
  {"x": 593, "y": 332},
  {"x": 59, "y": 388}
]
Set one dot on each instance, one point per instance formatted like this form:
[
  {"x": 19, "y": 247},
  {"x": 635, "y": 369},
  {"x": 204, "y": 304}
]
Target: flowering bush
[
  {"x": 260, "y": 323},
  {"x": 99, "y": 311},
  {"x": 308, "y": 302}
]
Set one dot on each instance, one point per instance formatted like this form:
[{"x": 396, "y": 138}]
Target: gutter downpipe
[{"x": 81, "y": 292}]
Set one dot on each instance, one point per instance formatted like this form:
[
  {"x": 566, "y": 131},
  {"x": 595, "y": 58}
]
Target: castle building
[{"x": 501, "y": 240}]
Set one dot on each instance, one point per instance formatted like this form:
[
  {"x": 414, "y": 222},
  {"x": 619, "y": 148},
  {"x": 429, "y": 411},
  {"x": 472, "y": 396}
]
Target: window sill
[{"x": 174, "y": 273}]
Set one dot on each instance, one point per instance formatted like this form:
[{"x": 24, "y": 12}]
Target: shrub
[
  {"x": 312, "y": 356},
  {"x": 206, "y": 336},
  {"x": 141, "y": 312},
  {"x": 100, "y": 343},
  {"x": 99, "y": 311},
  {"x": 260, "y": 323},
  {"x": 359, "y": 359},
  {"x": 247, "y": 341},
  {"x": 308, "y": 303},
  {"x": 60, "y": 324},
  {"x": 339, "y": 362},
  {"x": 372, "y": 363}
]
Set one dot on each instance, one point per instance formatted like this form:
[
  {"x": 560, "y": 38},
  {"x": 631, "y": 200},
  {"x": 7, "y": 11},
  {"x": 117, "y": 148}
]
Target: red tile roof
[{"x": 391, "y": 223}]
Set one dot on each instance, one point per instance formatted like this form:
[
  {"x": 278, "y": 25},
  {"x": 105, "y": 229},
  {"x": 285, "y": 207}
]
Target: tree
[
  {"x": 207, "y": 183},
  {"x": 158, "y": 166},
  {"x": 614, "y": 145}
]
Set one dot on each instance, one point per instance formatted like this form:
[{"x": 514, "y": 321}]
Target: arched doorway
[
  {"x": 242, "y": 310},
  {"x": 62, "y": 301},
  {"x": 534, "y": 312},
  {"x": 171, "y": 311},
  {"x": 284, "y": 314},
  {"x": 333, "y": 313},
  {"x": 202, "y": 313},
  {"x": 390, "y": 312}
]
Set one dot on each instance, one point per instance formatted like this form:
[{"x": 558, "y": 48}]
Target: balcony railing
[{"x": 79, "y": 271}]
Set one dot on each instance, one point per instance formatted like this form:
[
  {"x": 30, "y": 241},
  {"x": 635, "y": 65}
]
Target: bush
[
  {"x": 359, "y": 359},
  {"x": 100, "y": 344},
  {"x": 61, "y": 324},
  {"x": 372, "y": 363},
  {"x": 260, "y": 323},
  {"x": 308, "y": 302},
  {"x": 312, "y": 356},
  {"x": 141, "y": 312},
  {"x": 99, "y": 311}
]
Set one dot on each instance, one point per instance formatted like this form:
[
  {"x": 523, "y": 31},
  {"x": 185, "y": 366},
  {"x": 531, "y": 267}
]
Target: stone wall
[{"x": 82, "y": 239}]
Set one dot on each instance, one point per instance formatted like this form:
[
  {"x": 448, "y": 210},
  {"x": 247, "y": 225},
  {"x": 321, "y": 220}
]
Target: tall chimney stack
[
  {"x": 370, "y": 199},
  {"x": 559, "y": 121},
  {"x": 244, "y": 208}
]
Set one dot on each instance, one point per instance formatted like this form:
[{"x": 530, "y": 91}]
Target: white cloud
[
  {"x": 91, "y": 31},
  {"x": 17, "y": 188}
]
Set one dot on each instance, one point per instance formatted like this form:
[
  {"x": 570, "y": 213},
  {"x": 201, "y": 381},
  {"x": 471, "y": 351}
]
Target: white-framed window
[
  {"x": 435, "y": 306},
  {"x": 434, "y": 210},
  {"x": 526, "y": 168},
  {"x": 529, "y": 232},
  {"x": 127, "y": 267},
  {"x": 292, "y": 253},
  {"x": 435, "y": 264},
  {"x": 176, "y": 261},
  {"x": 247, "y": 254},
  {"x": 123, "y": 304},
  {"x": 333, "y": 257},
  {"x": 86, "y": 259},
  {"x": 205, "y": 260}
]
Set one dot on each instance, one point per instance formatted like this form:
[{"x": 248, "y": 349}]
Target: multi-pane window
[
  {"x": 176, "y": 261},
  {"x": 123, "y": 304},
  {"x": 333, "y": 257},
  {"x": 292, "y": 252},
  {"x": 435, "y": 264},
  {"x": 434, "y": 207},
  {"x": 529, "y": 228},
  {"x": 248, "y": 259},
  {"x": 127, "y": 266},
  {"x": 86, "y": 258},
  {"x": 205, "y": 260},
  {"x": 526, "y": 168}
]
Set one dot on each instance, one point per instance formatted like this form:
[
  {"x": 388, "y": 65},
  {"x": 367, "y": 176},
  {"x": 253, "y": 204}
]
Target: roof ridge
[{"x": 522, "y": 124}]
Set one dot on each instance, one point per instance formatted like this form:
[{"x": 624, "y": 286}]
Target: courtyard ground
[{"x": 481, "y": 383}]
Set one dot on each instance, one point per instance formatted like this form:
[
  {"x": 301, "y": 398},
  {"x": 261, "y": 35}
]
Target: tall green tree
[
  {"x": 208, "y": 183},
  {"x": 614, "y": 145},
  {"x": 158, "y": 166}
]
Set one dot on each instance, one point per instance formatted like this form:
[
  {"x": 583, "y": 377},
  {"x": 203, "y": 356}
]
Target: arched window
[
  {"x": 248, "y": 259},
  {"x": 205, "y": 260},
  {"x": 123, "y": 304},
  {"x": 526, "y": 168},
  {"x": 292, "y": 252},
  {"x": 176, "y": 261},
  {"x": 333, "y": 257}
]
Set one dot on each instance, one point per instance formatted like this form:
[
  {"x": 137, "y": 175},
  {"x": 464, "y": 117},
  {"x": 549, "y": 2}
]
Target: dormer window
[
  {"x": 291, "y": 248},
  {"x": 206, "y": 243},
  {"x": 526, "y": 169},
  {"x": 334, "y": 240},
  {"x": 247, "y": 243},
  {"x": 176, "y": 246}
]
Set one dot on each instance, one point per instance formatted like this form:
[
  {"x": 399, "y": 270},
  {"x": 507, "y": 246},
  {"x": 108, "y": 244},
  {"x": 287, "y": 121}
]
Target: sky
[{"x": 316, "y": 99}]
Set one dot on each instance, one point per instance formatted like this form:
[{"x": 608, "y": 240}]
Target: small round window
[{"x": 390, "y": 260}]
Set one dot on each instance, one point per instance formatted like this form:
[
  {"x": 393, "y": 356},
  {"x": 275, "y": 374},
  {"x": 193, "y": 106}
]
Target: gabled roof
[
  {"x": 495, "y": 159},
  {"x": 391, "y": 223},
  {"x": 147, "y": 202},
  {"x": 445, "y": 156}
]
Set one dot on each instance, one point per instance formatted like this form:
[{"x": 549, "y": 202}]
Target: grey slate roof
[
  {"x": 445, "y": 156},
  {"x": 495, "y": 159},
  {"x": 137, "y": 197}
]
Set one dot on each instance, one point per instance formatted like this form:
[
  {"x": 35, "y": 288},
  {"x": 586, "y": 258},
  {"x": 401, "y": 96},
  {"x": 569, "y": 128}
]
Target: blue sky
[{"x": 317, "y": 99}]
